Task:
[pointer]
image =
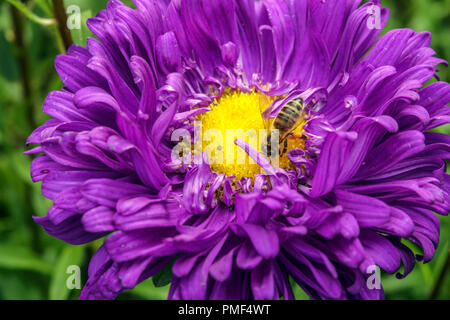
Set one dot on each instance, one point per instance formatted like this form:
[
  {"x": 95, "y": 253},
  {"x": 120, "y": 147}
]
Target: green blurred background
[{"x": 32, "y": 264}]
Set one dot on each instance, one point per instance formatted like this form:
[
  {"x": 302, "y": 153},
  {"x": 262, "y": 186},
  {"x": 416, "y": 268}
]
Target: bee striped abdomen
[
  {"x": 287, "y": 120},
  {"x": 289, "y": 115}
]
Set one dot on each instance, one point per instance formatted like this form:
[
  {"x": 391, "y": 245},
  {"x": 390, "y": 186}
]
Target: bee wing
[
  {"x": 264, "y": 103},
  {"x": 302, "y": 118}
]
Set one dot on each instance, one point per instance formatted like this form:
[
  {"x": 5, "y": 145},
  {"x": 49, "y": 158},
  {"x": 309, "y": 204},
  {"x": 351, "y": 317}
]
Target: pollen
[{"x": 236, "y": 115}]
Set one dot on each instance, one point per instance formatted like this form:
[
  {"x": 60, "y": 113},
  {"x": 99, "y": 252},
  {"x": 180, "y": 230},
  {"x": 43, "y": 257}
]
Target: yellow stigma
[{"x": 236, "y": 115}]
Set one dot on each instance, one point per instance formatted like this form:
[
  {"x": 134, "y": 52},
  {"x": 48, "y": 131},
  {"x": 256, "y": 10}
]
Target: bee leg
[
  {"x": 285, "y": 148},
  {"x": 265, "y": 149},
  {"x": 269, "y": 146}
]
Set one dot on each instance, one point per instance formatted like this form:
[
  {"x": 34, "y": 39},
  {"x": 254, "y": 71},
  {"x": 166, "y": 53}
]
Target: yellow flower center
[{"x": 238, "y": 115}]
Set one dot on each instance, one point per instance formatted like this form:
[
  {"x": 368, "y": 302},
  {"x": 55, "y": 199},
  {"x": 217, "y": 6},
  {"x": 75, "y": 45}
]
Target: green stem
[
  {"x": 23, "y": 63},
  {"x": 61, "y": 18},
  {"x": 24, "y": 68}
]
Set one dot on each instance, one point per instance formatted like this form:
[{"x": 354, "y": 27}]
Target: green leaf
[
  {"x": 45, "y": 6},
  {"x": 70, "y": 256},
  {"x": 21, "y": 165},
  {"x": 410, "y": 288},
  {"x": 148, "y": 291},
  {"x": 440, "y": 260},
  {"x": 30, "y": 15},
  {"x": 19, "y": 258},
  {"x": 16, "y": 285},
  {"x": 39, "y": 202},
  {"x": 299, "y": 293},
  {"x": 163, "y": 278},
  {"x": 81, "y": 35},
  {"x": 427, "y": 274}
]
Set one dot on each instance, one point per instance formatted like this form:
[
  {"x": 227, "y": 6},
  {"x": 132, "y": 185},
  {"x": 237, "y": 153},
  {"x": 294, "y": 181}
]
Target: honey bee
[{"x": 288, "y": 119}]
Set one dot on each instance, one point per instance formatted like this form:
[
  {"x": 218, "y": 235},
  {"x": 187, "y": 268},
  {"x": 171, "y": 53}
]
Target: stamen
[{"x": 237, "y": 115}]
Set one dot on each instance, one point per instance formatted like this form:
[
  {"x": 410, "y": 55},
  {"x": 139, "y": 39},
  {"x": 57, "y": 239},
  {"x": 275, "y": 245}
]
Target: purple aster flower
[{"x": 362, "y": 172}]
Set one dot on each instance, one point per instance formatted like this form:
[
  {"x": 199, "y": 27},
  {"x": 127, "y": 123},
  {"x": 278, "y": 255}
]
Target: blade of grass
[{"x": 440, "y": 279}]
